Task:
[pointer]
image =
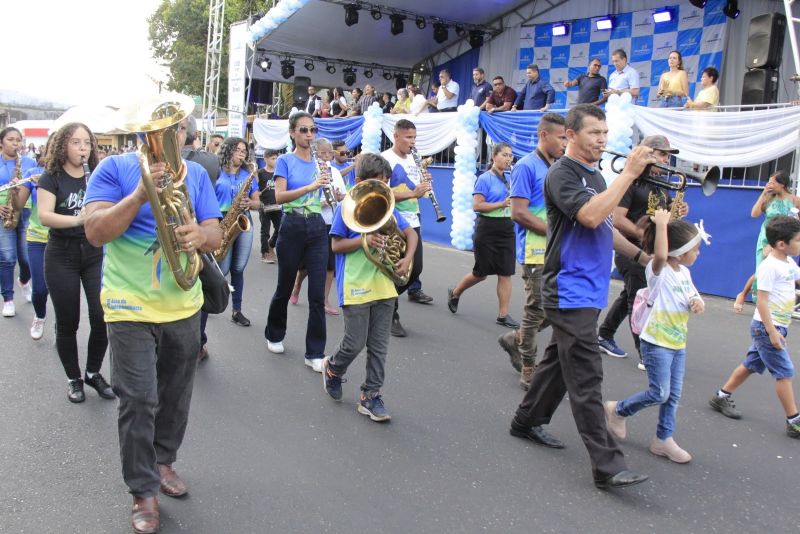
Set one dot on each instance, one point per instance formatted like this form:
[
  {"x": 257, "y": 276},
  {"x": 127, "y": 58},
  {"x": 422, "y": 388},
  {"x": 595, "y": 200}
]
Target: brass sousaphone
[{"x": 156, "y": 119}]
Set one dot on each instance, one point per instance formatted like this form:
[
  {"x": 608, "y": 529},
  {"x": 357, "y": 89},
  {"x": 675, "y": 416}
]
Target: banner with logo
[
  {"x": 697, "y": 33},
  {"x": 237, "y": 73}
]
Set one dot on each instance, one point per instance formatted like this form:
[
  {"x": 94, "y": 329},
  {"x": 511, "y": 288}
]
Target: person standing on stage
[
  {"x": 529, "y": 214},
  {"x": 673, "y": 86},
  {"x": 624, "y": 79},
  {"x": 270, "y": 212},
  {"x": 302, "y": 239},
  {"x": 481, "y": 89},
  {"x": 501, "y": 98},
  {"x": 574, "y": 289},
  {"x": 590, "y": 85},
  {"x": 537, "y": 94},
  {"x": 446, "y": 99},
  {"x": 153, "y": 324}
]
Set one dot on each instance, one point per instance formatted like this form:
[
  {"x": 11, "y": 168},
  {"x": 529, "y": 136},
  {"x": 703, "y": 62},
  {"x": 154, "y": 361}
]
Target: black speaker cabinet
[
  {"x": 260, "y": 92},
  {"x": 765, "y": 41},
  {"x": 301, "y": 84},
  {"x": 760, "y": 87}
]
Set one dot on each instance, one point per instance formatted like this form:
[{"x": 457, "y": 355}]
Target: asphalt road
[{"x": 267, "y": 451}]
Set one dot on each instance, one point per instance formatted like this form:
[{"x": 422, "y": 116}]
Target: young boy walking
[
  {"x": 367, "y": 297},
  {"x": 776, "y": 298}
]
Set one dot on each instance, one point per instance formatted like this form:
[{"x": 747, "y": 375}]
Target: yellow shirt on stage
[
  {"x": 709, "y": 95},
  {"x": 670, "y": 83}
]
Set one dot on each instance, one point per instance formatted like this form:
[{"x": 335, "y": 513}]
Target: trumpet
[{"x": 709, "y": 180}]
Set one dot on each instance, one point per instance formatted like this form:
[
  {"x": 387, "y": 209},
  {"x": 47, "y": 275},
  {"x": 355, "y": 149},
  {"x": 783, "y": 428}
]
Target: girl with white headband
[{"x": 663, "y": 318}]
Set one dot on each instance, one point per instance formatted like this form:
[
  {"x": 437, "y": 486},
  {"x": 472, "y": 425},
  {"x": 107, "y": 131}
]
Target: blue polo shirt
[
  {"x": 493, "y": 190},
  {"x": 527, "y": 181},
  {"x": 480, "y": 92},
  {"x": 535, "y": 95}
]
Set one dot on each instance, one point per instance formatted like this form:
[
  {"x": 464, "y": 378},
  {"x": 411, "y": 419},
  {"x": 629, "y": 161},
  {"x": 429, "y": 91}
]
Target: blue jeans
[
  {"x": 671, "y": 101},
  {"x": 8, "y": 262},
  {"x": 235, "y": 261},
  {"x": 22, "y": 246},
  {"x": 762, "y": 355},
  {"x": 300, "y": 239},
  {"x": 665, "y": 370},
  {"x": 36, "y": 258}
]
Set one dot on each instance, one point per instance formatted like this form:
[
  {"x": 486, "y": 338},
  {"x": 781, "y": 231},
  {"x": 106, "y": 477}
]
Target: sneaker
[
  {"x": 452, "y": 301},
  {"x": 27, "y": 289},
  {"x": 37, "y": 328},
  {"x": 239, "y": 318},
  {"x": 8, "y": 309},
  {"x": 75, "y": 392},
  {"x": 374, "y": 409},
  {"x": 420, "y": 297},
  {"x": 271, "y": 257},
  {"x": 315, "y": 364},
  {"x": 100, "y": 385},
  {"x": 641, "y": 366},
  {"x": 610, "y": 347},
  {"x": 615, "y": 422},
  {"x": 264, "y": 258},
  {"x": 331, "y": 383},
  {"x": 725, "y": 406},
  {"x": 670, "y": 449},
  {"x": 509, "y": 343},
  {"x": 793, "y": 430},
  {"x": 275, "y": 347},
  {"x": 525, "y": 377},
  {"x": 397, "y": 328},
  {"x": 507, "y": 321}
]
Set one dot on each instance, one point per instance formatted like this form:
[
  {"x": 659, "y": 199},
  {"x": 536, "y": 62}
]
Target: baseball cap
[{"x": 658, "y": 142}]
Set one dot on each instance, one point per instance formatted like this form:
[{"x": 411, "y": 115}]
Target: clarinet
[
  {"x": 86, "y": 170},
  {"x": 327, "y": 190},
  {"x": 440, "y": 216}
]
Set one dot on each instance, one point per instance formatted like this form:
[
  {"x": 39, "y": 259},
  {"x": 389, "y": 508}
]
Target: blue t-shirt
[
  {"x": 138, "y": 284},
  {"x": 227, "y": 187},
  {"x": 299, "y": 173},
  {"x": 535, "y": 95},
  {"x": 7, "y": 167},
  {"x": 350, "y": 177},
  {"x": 37, "y": 232},
  {"x": 527, "y": 181},
  {"x": 493, "y": 190}
]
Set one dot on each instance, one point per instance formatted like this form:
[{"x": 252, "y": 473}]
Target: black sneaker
[
  {"x": 397, "y": 328},
  {"x": 725, "y": 406},
  {"x": 508, "y": 322},
  {"x": 452, "y": 301},
  {"x": 419, "y": 297},
  {"x": 331, "y": 382},
  {"x": 239, "y": 318},
  {"x": 75, "y": 392},
  {"x": 100, "y": 385}
]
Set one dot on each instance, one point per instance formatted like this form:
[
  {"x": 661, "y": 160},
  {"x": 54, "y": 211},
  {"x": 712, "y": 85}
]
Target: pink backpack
[{"x": 642, "y": 305}]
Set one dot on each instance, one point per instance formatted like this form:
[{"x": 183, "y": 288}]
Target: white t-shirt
[
  {"x": 667, "y": 324},
  {"x": 442, "y": 102},
  {"x": 338, "y": 185},
  {"x": 418, "y": 105},
  {"x": 411, "y": 217},
  {"x": 778, "y": 278}
]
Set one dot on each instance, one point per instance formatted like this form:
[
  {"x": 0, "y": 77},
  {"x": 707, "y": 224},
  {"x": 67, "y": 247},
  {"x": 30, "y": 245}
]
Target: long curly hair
[
  {"x": 227, "y": 149},
  {"x": 57, "y": 153}
]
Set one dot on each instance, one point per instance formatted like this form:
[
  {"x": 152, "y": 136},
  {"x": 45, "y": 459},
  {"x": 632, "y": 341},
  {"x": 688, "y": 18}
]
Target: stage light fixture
[
  {"x": 440, "y": 32},
  {"x": 400, "y": 80},
  {"x": 309, "y": 65},
  {"x": 349, "y": 76},
  {"x": 731, "y": 9},
  {"x": 387, "y": 76},
  {"x": 331, "y": 68},
  {"x": 559, "y": 30},
  {"x": 287, "y": 68},
  {"x": 662, "y": 15},
  {"x": 475, "y": 38},
  {"x": 376, "y": 13},
  {"x": 605, "y": 23},
  {"x": 265, "y": 64},
  {"x": 460, "y": 31},
  {"x": 421, "y": 23},
  {"x": 698, "y": 3},
  {"x": 397, "y": 23},
  {"x": 351, "y": 14},
  {"x": 368, "y": 73}
]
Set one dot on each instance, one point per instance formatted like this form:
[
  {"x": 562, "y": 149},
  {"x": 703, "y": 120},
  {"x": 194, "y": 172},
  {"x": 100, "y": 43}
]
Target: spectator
[
  {"x": 501, "y": 98},
  {"x": 386, "y": 102},
  {"x": 707, "y": 99},
  {"x": 537, "y": 94},
  {"x": 624, "y": 79},
  {"x": 338, "y": 103},
  {"x": 356, "y": 94},
  {"x": 480, "y": 87},
  {"x": 446, "y": 99},
  {"x": 673, "y": 86},
  {"x": 418, "y": 102},
  {"x": 314, "y": 102},
  {"x": 403, "y": 104},
  {"x": 591, "y": 86},
  {"x": 212, "y": 147}
]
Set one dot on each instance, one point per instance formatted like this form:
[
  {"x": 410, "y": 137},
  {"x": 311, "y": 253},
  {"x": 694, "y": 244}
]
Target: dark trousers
[
  {"x": 301, "y": 240},
  {"x": 36, "y": 259},
  {"x": 269, "y": 218},
  {"x": 414, "y": 283},
  {"x": 572, "y": 363},
  {"x": 22, "y": 246},
  {"x": 152, "y": 372},
  {"x": 634, "y": 279},
  {"x": 68, "y": 263}
]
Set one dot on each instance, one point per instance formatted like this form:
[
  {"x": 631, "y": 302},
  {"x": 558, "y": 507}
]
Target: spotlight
[
  {"x": 605, "y": 23},
  {"x": 265, "y": 64},
  {"x": 376, "y": 13},
  {"x": 309, "y": 65},
  {"x": 387, "y": 76},
  {"x": 698, "y": 3},
  {"x": 400, "y": 80},
  {"x": 287, "y": 68},
  {"x": 397, "y": 23},
  {"x": 662, "y": 15},
  {"x": 460, "y": 31},
  {"x": 421, "y": 23},
  {"x": 475, "y": 38},
  {"x": 560, "y": 29},
  {"x": 351, "y": 14},
  {"x": 731, "y": 9},
  {"x": 368, "y": 73},
  {"x": 349, "y": 76},
  {"x": 440, "y": 32},
  {"x": 331, "y": 68}
]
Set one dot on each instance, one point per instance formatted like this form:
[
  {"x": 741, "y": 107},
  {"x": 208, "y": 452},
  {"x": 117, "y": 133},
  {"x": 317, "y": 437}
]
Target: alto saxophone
[
  {"x": 235, "y": 221},
  {"x": 11, "y": 222},
  {"x": 677, "y": 206},
  {"x": 323, "y": 170},
  {"x": 421, "y": 166}
]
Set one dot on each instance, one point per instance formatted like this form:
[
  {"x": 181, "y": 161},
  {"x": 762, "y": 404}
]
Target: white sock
[
  {"x": 722, "y": 394},
  {"x": 795, "y": 420},
  {"x": 90, "y": 375}
]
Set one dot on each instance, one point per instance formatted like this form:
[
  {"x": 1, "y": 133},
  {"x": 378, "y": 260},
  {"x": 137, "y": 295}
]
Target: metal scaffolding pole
[{"x": 216, "y": 21}]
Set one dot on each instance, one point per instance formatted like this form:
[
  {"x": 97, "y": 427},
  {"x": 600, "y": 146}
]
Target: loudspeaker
[
  {"x": 260, "y": 92},
  {"x": 765, "y": 41},
  {"x": 301, "y": 84},
  {"x": 760, "y": 87}
]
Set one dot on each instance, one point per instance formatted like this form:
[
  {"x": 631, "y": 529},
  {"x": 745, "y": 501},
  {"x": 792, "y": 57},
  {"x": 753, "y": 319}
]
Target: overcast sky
[{"x": 79, "y": 52}]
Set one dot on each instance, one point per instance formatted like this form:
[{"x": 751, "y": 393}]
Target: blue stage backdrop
[{"x": 699, "y": 35}]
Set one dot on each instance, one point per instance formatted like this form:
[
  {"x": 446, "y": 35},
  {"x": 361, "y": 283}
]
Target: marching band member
[
  {"x": 270, "y": 212},
  {"x": 153, "y": 324}
]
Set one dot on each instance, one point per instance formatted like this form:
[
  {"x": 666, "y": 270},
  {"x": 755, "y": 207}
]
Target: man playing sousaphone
[{"x": 153, "y": 322}]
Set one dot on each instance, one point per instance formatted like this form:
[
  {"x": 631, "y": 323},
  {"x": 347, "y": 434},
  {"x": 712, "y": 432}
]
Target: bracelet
[{"x": 638, "y": 256}]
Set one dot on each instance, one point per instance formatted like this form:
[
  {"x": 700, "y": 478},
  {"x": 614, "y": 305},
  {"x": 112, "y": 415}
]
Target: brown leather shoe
[
  {"x": 171, "y": 483},
  {"x": 144, "y": 516}
]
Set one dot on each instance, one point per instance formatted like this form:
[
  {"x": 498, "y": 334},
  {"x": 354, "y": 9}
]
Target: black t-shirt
[
  {"x": 209, "y": 161},
  {"x": 266, "y": 184},
  {"x": 590, "y": 88},
  {"x": 643, "y": 198},
  {"x": 69, "y": 193}
]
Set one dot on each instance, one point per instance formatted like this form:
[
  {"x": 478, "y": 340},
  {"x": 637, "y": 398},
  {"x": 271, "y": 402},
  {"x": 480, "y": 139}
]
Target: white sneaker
[
  {"x": 276, "y": 347},
  {"x": 27, "y": 289},
  {"x": 8, "y": 309},
  {"x": 37, "y": 328},
  {"x": 641, "y": 366},
  {"x": 315, "y": 364}
]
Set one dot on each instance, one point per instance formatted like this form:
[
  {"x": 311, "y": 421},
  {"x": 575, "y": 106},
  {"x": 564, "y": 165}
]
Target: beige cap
[{"x": 658, "y": 142}]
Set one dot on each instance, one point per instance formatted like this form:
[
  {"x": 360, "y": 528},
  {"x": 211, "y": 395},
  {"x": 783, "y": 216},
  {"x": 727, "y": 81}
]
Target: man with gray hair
[{"x": 209, "y": 162}]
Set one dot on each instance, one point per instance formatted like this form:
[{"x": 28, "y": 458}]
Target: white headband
[{"x": 701, "y": 234}]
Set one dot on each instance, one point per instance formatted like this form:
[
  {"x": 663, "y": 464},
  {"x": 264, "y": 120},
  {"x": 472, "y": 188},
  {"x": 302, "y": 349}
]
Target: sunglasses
[
  {"x": 306, "y": 129},
  {"x": 343, "y": 152}
]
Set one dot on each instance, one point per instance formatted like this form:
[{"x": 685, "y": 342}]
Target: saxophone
[
  {"x": 677, "y": 205},
  {"x": 422, "y": 165},
  {"x": 323, "y": 170},
  {"x": 235, "y": 221},
  {"x": 11, "y": 222}
]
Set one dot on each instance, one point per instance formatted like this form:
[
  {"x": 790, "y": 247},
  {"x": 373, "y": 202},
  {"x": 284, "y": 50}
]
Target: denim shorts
[{"x": 762, "y": 355}]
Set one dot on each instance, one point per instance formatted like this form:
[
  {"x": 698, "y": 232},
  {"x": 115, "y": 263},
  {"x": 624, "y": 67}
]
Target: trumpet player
[
  {"x": 367, "y": 296},
  {"x": 153, "y": 324}
]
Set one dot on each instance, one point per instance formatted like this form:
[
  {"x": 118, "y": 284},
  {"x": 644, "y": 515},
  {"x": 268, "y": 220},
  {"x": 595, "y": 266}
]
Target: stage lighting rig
[
  {"x": 368, "y": 73},
  {"x": 309, "y": 65},
  {"x": 604, "y": 23},
  {"x": 349, "y": 76},
  {"x": 475, "y": 38},
  {"x": 376, "y": 13},
  {"x": 731, "y": 9},
  {"x": 287, "y": 68},
  {"x": 397, "y": 23},
  {"x": 662, "y": 15},
  {"x": 560, "y": 29},
  {"x": 351, "y": 14},
  {"x": 460, "y": 31},
  {"x": 400, "y": 80},
  {"x": 440, "y": 32},
  {"x": 265, "y": 64},
  {"x": 698, "y": 3},
  {"x": 420, "y": 21},
  {"x": 387, "y": 76},
  {"x": 331, "y": 68}
]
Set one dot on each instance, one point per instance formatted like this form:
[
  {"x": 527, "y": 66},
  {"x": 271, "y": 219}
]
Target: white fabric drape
[
  {"x": 727, "y": 139},
  {"x": 271, "y": 134},
  {"x": 435, "y": 131}
]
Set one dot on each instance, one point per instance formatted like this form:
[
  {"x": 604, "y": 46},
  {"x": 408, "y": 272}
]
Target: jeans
[
  {"x": 762, "y": 355},
  {"x": 634, "y": 279},
  {"x": 152, "y": 373},
  {"x": 8, "y": 262},
  {"x": 671, "y": 101},
  {"x": 22, "y": 246},
  {"x": 300, "y": 239},
  {"x": 533, "y": 319},
  {"x": 665, "y": 370},
  {"x": 365, "y": 325},
  {"x": 267, "y": 218},
  {"x": 36, "y": 259},
  {"x": 235, "y": 261}
]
